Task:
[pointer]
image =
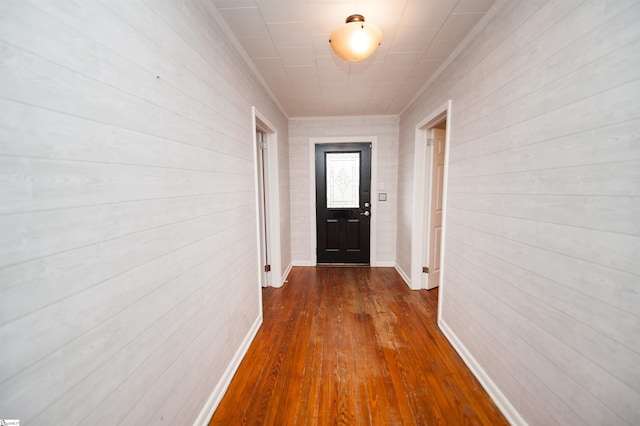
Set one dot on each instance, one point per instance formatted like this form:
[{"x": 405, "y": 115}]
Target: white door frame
[
  {"x": 272, "y": 199},
  {"x": 422, "y": 196},
  {"x": 373, "y": 140}
]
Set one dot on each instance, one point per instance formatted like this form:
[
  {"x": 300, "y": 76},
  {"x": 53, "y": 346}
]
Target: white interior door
[{"x": 435, "y": 204}]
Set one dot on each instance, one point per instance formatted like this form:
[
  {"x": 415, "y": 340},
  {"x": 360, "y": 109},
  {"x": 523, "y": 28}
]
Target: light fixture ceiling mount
[{"x": 355, "y": 40}]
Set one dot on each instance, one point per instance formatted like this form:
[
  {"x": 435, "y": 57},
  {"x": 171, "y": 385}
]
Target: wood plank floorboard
[{"x": 352, "y": 346}]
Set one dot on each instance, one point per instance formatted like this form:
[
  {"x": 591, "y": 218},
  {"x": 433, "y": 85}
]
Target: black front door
[{"x": 343, "y": 202}]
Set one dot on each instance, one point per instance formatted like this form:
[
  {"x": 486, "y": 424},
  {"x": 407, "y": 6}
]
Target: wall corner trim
[
  {"x": 504, "y": 405},
  {"x": 214, "y": 399},
  {"x": 403, "y": 275},
  {"x": 285, "y": 275}
]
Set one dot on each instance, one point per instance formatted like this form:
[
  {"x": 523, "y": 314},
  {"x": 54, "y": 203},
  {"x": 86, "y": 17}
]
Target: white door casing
[
  {"x": 422, "y": 195},
  {"x": 373, "y": 140},
  {"x": 271, "y": 200}
]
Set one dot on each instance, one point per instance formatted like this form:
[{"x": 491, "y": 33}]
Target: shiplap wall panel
[
  {"x": 605, "y": 284},
  {"x": 147, "y": 73},
  {"x": 555, "y": 362},
  {"x": 141, "y": 382},
  {"x": 25, "y": 234},
  {"x": 536, "y": 321},
  {"x": 64, "y": 137},
  {"x": 610, "y": 250},
  {"x": 545, "y": 51},
  {"x": 285, "y": 216},
  {"x": 566, "y": 125},
  {"x": 84, "y": 267},
  {"x": 551, "y": 304},
  {"x": 593, "y": 179},
  {"x": 169, "y": 336},
  {"x": 189, "y": 379},
  {"x": 594, "y": 212},
  {"x": 300, "y": 131},
  {"x": 519, "y": 380},
  {"x": 58, "y": 184},
  {"x": 542, "y": 233},
  {"x": 560, "y": 93},
  {"x": 61, "y": 89},
  {"x": 88, "y": 304},
  {"x": 101, "y": 335},
  {"x": 609, "y": 143},
  {"x": 243, "y": 86},
  {"x": 128, "y": 275},
  {"x": 404, "y": 213},
  {"x": 519, "y": 384}
]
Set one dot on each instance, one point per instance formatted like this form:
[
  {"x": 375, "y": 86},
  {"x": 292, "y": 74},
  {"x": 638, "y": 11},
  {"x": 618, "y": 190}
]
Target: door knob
[{"x": 365, "y": 213}]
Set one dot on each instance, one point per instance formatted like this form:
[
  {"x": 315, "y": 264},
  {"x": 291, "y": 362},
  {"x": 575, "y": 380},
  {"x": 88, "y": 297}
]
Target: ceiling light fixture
[{"x": 354, "y": 40}]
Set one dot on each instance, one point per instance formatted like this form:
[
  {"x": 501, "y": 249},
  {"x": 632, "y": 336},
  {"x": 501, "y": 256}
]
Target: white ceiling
[{"x": 288, "y": 41}]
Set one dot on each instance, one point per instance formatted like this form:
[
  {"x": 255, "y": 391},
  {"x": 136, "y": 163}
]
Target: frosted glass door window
[{"x": 343, "y": 180}]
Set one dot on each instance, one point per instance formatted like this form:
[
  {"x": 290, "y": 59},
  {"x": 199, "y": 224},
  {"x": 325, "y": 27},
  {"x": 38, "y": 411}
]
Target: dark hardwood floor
[{"x": 352, "y": 346}]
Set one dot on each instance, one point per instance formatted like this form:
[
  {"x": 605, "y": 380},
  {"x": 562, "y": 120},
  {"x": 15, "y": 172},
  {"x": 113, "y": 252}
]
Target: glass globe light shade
[{"x": 355, "y": 40}]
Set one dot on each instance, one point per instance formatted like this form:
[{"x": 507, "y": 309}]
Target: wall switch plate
[{"x": 382, "y": 196}]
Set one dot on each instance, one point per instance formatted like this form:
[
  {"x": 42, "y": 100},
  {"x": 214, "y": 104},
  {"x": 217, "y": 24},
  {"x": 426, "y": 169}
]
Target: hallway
[
  {"x": 353, "y": 346},
  {"x": 131, "y": 263}
]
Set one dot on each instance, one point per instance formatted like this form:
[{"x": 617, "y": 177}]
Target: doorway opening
[
  {"x": 267, "y": 201},
  {"x": 343, "y": 203},
  {"x": 263, "y": 215},
  {"x": 429, "y": 195},
  {"x": 371, "y": 209},
  {"x": 436, "y": 137}
]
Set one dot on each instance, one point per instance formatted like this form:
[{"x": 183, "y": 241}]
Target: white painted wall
[
  {"x": 128, "y": 271},
  {"x": 542, "y": 281},
  {"x": 385, "y": 128},
  {"x": 285, "y": 206}
]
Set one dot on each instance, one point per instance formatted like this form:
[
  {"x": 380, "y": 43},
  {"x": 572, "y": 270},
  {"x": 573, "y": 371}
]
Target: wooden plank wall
[
  {"x": 300, "y": 131},
  {"x": 128, "y": 265},
  {"x": 542, "y": 257}
]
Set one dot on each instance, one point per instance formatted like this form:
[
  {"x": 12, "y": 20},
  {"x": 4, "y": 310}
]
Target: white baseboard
[
  {"x": 218, "y": 392},
  {"x": 404, "y": 276},
  {"x": 284, "y": 277},
  {"x": 504, "y": 405},
  {"x": 382, "y": 264},
  {"x": 303, "y": 263}
]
